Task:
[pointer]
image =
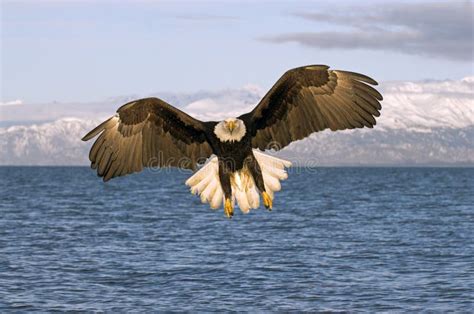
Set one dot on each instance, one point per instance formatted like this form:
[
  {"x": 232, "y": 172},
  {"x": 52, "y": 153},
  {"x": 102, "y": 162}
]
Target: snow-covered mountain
[
  {"x": 429, "y": 104},
  {"x": 55, "y": 143},
  {"x": 422, "y": 123}
]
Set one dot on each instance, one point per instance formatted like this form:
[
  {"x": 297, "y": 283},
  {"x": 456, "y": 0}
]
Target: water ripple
[{"x": 397, "y": 239}]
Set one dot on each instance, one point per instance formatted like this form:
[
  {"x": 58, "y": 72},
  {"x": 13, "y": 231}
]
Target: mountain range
[{"x": 422, "y": 123}]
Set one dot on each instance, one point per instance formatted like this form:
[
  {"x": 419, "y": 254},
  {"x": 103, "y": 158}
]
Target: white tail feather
[
  {"x": 206, "y": 183},
  {"x": 217, "y": 199}
]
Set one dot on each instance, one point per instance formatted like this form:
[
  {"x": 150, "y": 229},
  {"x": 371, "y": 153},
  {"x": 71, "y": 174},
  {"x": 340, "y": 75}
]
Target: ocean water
[{"x": 375, "y": 239}]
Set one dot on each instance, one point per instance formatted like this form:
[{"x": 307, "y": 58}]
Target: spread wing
[
  {"x": 310, "y": 99},
  {"x": 147, "y": 133}
]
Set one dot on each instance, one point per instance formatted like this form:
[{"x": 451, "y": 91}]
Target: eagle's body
[{"x": 151, "y": 133}]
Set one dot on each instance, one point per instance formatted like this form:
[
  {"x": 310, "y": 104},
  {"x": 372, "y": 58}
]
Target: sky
[{"x": 90, "y": 50}]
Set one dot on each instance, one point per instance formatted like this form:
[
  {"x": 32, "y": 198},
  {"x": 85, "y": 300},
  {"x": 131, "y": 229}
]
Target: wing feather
[
  {"x": 147, "y": 133},
  {"x": 310, "y": 99}
]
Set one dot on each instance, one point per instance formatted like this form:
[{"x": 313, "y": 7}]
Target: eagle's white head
[{"x": 230, "y": 130}]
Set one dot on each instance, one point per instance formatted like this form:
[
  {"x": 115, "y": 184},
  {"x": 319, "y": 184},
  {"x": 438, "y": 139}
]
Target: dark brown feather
[
  {"x": 147, "y": 133},
  {"x": 310, "y": 99}
]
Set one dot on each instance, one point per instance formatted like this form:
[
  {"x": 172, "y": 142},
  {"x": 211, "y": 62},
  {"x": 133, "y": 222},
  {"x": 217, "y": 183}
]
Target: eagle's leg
[
  {"x": 256, "y": 172},
  {"x": 224, "y": 178},
  {"x": 267, "y": 201}
]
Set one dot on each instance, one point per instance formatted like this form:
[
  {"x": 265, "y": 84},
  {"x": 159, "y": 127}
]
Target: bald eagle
[{"x": 151, "y": 133}]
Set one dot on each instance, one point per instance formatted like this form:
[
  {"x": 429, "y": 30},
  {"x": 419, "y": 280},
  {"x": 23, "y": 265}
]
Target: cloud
[
  {"x": 12, "y": 103},
  {"x": 205, "y": 105},
  {"x": 227, "y": 103},
  {"x": 419, "y": 104},
  {"x": 433, "y": 29}
]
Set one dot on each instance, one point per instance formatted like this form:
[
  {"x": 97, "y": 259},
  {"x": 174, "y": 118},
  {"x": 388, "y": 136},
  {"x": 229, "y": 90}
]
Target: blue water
[{"x": 376, "y": 239}]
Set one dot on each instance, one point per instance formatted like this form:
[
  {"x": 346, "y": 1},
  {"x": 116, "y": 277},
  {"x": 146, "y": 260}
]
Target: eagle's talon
[
  {"x": 228, "y": 209},
  {"x": 267, "y": 201}
]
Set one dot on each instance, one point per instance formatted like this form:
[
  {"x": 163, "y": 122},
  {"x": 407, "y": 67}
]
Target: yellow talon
[
  {"x": 267, "y": 201},
  {"x": 228, "y": 209}
]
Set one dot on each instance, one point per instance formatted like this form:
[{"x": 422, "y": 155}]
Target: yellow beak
[{"x": 231, "y": 126}]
